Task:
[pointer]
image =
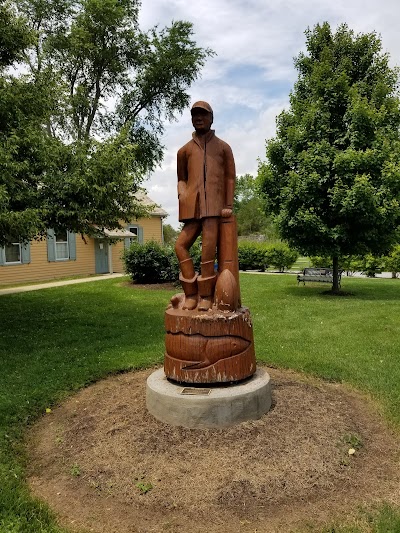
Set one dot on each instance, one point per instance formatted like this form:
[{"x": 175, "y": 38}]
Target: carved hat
[{"x": 202, "y": 105}]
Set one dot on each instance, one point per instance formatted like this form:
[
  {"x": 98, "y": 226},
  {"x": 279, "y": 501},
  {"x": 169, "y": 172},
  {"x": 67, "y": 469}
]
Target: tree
[
  {"x": 14, "y": 36},
  {"x": 82, "y": 125},
  {"x": 392, "y": 261},
  {"x": 170, "y": 234},
  {"x": 332, "y": 171},
  {"x": 248, "y": 208}
]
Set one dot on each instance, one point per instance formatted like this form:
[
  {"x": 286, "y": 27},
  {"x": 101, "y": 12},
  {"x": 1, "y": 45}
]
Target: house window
[
  {"x": 135, "y": 231},
  {"x": 62, "y": 245},
  {"x": 13, "y": 253}
]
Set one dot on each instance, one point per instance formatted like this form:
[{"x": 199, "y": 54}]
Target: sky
[{"x": 248, "y": 81}]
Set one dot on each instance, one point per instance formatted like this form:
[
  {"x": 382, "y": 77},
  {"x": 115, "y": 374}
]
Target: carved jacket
[{"x": 206, "y": 177}]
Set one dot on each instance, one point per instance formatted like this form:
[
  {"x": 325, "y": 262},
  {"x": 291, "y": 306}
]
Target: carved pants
[{"x": 209, "y": 228}]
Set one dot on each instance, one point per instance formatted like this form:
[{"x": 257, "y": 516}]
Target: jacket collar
[{"x": 200, "y": 140}]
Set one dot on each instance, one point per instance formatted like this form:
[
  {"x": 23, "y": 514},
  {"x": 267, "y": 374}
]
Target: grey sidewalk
[{"x": 50, "y": 284}]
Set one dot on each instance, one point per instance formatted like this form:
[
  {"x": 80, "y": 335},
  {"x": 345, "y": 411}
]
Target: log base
[{"x": 208, "y": 347}]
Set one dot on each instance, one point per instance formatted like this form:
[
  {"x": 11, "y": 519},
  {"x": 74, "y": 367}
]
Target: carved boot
[
  {"x": 189, "y": 287},
  {"x": 206, "y": 291}
]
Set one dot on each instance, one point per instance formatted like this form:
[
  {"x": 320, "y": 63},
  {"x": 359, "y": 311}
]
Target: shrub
[
  {"x": 151, "y": 263},
  {"x": 252, "y": 256},
  {"x": 195, "y": 254},
  {"x": 321, "y": 261},
  {"x": 348, "y": 263},
  {"x": 369, "y": 265},
  {"x": 281, "y": 256},
  {"x": 392, "y": 261}
]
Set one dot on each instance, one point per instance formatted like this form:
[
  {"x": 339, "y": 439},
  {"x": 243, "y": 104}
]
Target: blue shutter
[
  {"x": 2, "y": 256},
  {"x": 25, "y": 253},
  {"x": 51, "y": 245},
  {"x": 127, "y": 240},
  {"x": 72, "y": 245},
  {"x": 140, "y": 234}
]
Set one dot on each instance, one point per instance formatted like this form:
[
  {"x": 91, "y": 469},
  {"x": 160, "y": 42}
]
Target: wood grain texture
[
  {"x": 228, "y": 249},
  {"x": 212, "y": 347}
]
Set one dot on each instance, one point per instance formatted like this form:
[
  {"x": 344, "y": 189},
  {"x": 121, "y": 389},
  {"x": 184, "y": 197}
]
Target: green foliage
[
  {"x": 252, "y": 256},
  {"x": 67, "y": 158},
  {"x": 14, "y": 36},
  {"x": 281, "y": 256},
  {"x": 353, "y": 440},
  {"x": 321, "y": 261},
  {"x": 249, "y": 209},
  {"x": 392, "y": 261},
  {"x": 369, "y": 265},
  {"x": 144, "y": 487},
  {"x": 75, "y": 470},
  {"x": 195, "y": 254},
  {"x": 170, "y": 234},
  {"x": 259, "y": 255},
  {"x": 332, "y": 171},
  {"x": 151, "y": 263}
]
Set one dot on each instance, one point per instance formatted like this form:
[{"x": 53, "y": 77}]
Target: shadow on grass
[{"x": 359, "y": 289}]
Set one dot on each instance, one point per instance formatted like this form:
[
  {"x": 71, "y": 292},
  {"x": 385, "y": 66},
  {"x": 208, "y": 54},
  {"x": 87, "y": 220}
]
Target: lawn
[{"x": 56, "y": 341}]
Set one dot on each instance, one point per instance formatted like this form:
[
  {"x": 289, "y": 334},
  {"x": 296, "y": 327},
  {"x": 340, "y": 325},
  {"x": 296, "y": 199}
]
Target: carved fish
[{"x": 199, "y": 351}]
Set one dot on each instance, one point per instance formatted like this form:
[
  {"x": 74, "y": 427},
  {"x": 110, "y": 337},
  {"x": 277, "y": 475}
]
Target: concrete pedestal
[{"x": 208, "y": 406}]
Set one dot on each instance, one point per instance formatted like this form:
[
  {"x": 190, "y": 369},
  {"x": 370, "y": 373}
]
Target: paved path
[{"x": 49, "y": 284}]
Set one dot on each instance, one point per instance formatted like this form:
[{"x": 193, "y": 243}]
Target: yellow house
[{"x": 68, "y": 254}]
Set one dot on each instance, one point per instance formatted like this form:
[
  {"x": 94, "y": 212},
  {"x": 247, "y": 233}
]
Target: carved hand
[
  {"x": 181, "y": 189},
  {"x": 226, "y": 212}
]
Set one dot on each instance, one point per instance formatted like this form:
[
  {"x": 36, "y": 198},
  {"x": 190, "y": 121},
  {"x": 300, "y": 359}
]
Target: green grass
[
  {"x": 349, "y": 338},
  {"x": 55, "y": 341},
  {"x": 41, "y": 282},
  {"x": 301, "y": 263},
  {"x": 383, "y": 519}
]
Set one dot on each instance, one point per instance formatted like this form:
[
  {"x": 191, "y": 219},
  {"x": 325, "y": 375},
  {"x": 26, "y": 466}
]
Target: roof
[
  {"x": 148, "y": 202},
  {"x": 115, "y": 233},
  {"x": 118, "y": 233}
]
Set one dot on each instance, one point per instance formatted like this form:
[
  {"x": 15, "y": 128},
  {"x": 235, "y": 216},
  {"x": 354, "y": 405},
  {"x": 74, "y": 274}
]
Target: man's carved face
[{"x": 201, "y": 120}]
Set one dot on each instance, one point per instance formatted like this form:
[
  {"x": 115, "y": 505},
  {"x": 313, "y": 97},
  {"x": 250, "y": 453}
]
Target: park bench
[{"x": 322, "y": 275}]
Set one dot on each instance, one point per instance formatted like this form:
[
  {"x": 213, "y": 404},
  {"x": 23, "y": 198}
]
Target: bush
[
  {"x": 195, "y": 254},
  {"x": 392, "y": 261},
  {"x": 370, "y": 265},
  {"x": 281, "y": 256},
  {"x": 348, "y": 263},
  {"x": 252, "y": 256},
  {"x": 151, "y": 263},
  {"x": 321, "y": 261}
]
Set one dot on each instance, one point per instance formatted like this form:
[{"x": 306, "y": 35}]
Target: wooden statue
[{"x": 209, "y": 336}]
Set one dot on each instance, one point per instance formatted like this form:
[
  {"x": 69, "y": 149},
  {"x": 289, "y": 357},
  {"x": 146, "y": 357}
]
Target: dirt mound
[{"x": 104, "y": 463}]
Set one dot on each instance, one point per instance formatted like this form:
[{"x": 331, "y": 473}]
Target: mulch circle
[{"x": 103, "y": 463}]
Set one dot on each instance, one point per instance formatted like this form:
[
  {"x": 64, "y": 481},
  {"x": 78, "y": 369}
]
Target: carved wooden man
[{"x": 206, "y": 183}]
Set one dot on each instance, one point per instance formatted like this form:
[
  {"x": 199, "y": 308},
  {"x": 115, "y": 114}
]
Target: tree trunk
[{"x": 335, "y": 285}]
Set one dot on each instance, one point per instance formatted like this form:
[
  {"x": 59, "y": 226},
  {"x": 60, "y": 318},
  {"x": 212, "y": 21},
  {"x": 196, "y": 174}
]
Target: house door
[{"x": 101, "y": 256}]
